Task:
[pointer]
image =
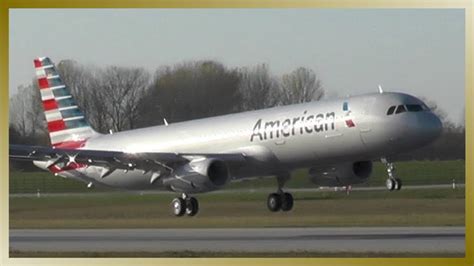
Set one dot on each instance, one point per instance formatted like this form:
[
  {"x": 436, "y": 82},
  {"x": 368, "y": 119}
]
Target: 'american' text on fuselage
[{"x": 289, "y": 127}]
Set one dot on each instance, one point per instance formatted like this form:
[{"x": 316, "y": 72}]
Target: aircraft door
[{"x": 366, "y": 121}]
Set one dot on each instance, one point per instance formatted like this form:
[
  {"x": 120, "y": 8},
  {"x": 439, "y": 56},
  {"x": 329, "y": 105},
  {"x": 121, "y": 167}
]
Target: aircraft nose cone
[{"x": 430, "y": 127}]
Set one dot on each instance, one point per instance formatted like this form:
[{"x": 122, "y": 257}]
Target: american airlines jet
[{"x": 336, "y": 140}]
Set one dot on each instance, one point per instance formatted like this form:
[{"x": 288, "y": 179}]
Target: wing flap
[{"x": 145, "y": 161}]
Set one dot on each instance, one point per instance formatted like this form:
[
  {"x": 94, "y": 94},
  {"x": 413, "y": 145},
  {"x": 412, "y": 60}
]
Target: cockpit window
[
  {"x": 391, "y": 109},
  {"x": 400, "y": 109},
  {"x": 414, "y": 108},
  {"x": 406, "y": 108}
]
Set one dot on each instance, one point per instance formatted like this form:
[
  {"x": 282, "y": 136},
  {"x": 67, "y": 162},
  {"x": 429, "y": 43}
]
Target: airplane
[{"x": 337, "y": 140}]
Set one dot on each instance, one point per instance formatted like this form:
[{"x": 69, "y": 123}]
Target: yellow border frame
[{"x": 467, "y": 5}]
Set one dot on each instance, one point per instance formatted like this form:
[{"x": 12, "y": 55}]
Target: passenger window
[
  {"x": 414, "y": 108},
  {"x": 400, "y": 109},
  {"x": 390, "y": 110}
]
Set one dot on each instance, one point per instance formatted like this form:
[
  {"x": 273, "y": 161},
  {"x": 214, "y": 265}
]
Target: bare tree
[
  {"x": 301, "y": 85},
  {"x": 37, "y": 117},
  {"x": 79, "y": 81},
  {"x": 26, "y": 113},
  {"x": 462, "y": 122},
  {"x": 19, "y": 104},
  {"x": 258, "y": 88},
  {"x": 86, "y": 84},
  {"x": 120, "y": 90},
  {"x": 191, "y": 90}
]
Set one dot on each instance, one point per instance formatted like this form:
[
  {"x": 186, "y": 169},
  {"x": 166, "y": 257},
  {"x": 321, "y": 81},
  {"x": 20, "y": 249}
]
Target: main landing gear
[
  {"x": 185, "y": 204},
  {"x": 392, "y": 182},
  {"x": 280, "y": 200}
]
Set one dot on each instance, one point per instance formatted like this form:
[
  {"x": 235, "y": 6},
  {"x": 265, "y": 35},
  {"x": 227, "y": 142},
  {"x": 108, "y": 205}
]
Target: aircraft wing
[{"x": 112, "y": 160}]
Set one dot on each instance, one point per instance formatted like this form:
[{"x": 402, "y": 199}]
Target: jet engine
[
  {"x": 342, "y": 174},
  {"x": 200, "y": 175}
]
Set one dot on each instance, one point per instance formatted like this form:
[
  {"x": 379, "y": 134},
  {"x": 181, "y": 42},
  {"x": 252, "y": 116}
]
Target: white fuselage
[{"x": 277, "y": 139}]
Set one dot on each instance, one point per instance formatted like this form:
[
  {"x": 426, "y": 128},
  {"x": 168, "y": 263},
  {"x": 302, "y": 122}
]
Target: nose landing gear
[
  {"x": 280, "y": 200},
  {"x": 185, "y": 204},
  {"x": 392, "y": 182}
]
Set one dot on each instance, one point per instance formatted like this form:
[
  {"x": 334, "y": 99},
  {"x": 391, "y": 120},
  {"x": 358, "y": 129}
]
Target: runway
[{"x": 347, "y": 239}]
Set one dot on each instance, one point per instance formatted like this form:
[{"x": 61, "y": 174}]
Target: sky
[{"x": 417, "y": 51}]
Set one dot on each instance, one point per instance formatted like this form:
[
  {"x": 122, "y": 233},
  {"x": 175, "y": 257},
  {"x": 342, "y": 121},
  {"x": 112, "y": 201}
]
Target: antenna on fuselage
[
  {"x": 166, "y": 122},
  {"x": 380, "y": 89}
]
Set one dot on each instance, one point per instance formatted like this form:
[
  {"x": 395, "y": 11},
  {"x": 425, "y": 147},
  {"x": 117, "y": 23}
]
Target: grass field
[
  {"x": 412, "y": 173},
  {"x": 424, "y": 207},
  {"x": 243, "y": 208}
]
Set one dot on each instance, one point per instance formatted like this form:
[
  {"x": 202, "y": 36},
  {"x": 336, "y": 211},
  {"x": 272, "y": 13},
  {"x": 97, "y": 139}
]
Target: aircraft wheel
[
  {"x": 287, "y": 202},
  {"x": 178, "y": 206},
  {"x": 274, "y": 202},
  {"x": 398, "y": 184},
  {"x": 192, "y": 206},
  {"x": 390, "y": 183}
]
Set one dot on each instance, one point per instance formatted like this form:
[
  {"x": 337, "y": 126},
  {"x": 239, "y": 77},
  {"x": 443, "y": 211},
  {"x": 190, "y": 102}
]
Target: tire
[
  {"x": 274, "y": 202},
  {"x": 192, "y": 206},
  {"x": 390, "y": 184},
  {"x": 399, "y": 183},
  {"x": 178, "y": 206},
  {"x": 287, "y": 202}
]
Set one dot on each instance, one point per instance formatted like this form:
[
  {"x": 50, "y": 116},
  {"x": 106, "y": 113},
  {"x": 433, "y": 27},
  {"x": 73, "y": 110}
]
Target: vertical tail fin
[{"x": 67, "y": 125}]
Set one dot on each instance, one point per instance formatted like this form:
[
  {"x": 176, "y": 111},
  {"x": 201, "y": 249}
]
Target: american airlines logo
[{"x": 305, "y": 124}]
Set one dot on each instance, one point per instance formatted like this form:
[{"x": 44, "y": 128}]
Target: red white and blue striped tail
[{"x": 67, "y": 125}]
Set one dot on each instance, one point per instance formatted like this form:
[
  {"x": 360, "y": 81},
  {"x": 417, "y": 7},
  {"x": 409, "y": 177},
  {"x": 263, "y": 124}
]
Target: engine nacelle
[
  {"x": 341, "y": 175},
  {"x": 200, "y": 175}
]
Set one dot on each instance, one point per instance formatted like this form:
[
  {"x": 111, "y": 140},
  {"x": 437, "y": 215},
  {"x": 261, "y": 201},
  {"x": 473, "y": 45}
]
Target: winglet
[{"x": 380, "y": 89}]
